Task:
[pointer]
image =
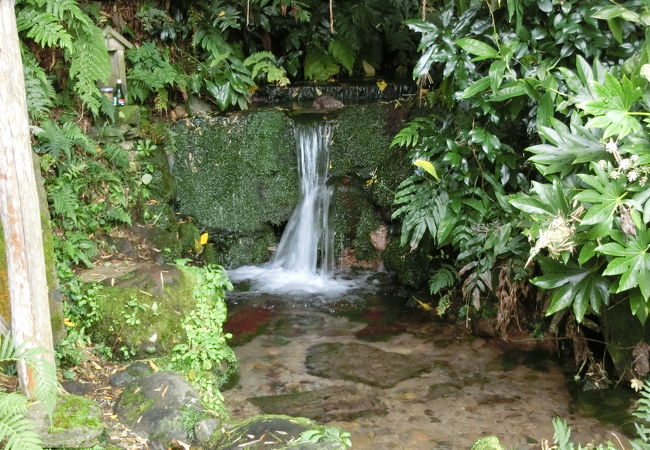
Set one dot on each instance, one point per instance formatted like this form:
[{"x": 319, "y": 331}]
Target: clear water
[{"x": 304, "y": 259}]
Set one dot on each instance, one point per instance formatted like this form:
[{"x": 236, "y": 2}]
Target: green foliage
[
  {"x": 63, "y": 24},
  {"x": 642, "y": 426},
  {"x": 562, "y": 438},
  {"x": 150, "y": 73},
  {"x": 206, "y": 358},
  {"x": 16, "y": 430},
  {"x": 511, "y": 73},
  {"x": 487, "y": 443},
  {"x": 329, "y": 435}
]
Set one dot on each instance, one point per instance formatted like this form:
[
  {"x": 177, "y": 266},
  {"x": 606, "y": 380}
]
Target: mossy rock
[
  {"x": 245, "y": 249},
  {"x": 76, "y": 423},
  {"x": 141, "y": 312},
  {"x": 412, "y": 268},
  {"x": 236, "y": 174},
  {"x": 163, "y": 418},
  {"x": 354, "y": 219},
  {"x": 279, "y": 429}
]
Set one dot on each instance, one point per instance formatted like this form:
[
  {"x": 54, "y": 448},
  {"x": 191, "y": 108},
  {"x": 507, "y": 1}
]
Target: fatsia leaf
[
  {"x": 582, "y": 289},
  {"x": 631, "y": 261}
]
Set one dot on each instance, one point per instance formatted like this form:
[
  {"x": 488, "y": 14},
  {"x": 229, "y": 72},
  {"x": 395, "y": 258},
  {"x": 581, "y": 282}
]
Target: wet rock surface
[
  {"x": 326, "y": 404},
  {"x": 359, "y": 362}
]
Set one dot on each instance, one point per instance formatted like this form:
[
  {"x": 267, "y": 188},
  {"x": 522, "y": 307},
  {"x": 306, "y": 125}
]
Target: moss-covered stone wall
[{"x": 236, "y": 174}]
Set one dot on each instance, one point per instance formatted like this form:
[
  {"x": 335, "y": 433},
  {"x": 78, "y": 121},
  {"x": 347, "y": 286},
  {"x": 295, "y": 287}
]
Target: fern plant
[
  {"x": 63, "y": 24},
  {"x": 16, "y": 430}
]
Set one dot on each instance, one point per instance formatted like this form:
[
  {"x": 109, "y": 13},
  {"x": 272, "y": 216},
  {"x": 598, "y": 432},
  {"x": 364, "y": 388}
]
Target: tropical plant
[{"x": 16, "y": 430}]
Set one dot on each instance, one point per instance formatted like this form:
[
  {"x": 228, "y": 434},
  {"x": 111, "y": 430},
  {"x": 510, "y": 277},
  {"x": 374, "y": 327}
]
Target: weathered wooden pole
[{"x": 19, "y": 206}]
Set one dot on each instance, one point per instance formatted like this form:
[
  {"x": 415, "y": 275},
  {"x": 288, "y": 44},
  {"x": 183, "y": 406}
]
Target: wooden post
[{"x": 19, "y": 206}]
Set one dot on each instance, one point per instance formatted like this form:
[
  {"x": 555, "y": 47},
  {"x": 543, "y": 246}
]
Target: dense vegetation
[{"x": 531, "y": 144}]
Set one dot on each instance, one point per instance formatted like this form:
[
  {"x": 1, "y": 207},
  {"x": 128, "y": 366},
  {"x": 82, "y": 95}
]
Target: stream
[
  {"x": 394, "y": 377},
  {"x": 344, "y": 349}
]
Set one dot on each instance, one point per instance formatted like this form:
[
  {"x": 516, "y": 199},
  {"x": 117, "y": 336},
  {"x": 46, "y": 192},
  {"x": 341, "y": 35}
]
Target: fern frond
[
  {"x": 89, "y": 63},
  {"x": 116, "y": 155},
  {"x": 64, "y": 201},
  {"x": 344, "y": 54},
  {"x": 445, "y": 277},
  {"x": 38, "y": 87},
  {"x": 15, "y": 429},
  {"x": 264, "y": 63},
  {"x": 12, "y": 403},
  {"x": 118, "y": 215},
  {"x": 44, "y": 28},
  {"x": 319, "y": 66}
]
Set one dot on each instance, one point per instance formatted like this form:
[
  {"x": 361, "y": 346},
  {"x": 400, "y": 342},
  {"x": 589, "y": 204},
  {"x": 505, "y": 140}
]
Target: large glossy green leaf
[
  {"x": 476, "y": 88},
  {"x": 475, "y": 47},
  {"x": 582, "y": 289},
  {"x": 631, "y": 262}
]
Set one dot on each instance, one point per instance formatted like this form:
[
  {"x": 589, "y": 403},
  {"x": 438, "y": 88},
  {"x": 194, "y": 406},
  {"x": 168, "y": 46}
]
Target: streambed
[{"x": 393, "y": 377}]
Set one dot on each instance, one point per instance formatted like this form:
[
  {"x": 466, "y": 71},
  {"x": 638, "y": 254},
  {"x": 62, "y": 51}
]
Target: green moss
[
  {"x": 412, "y": 268},
  {"x": 139, "y": 307},
  {"x": 354, "y": 219},
  {"x": 188, "y": 235},
  {"x": 134, "y": 403},
  {"x": 75, "y": 411},
  {"x": 190, "y": 417},
  {"x": 360, "y": 141},
  {"x": 236, "y": 174},
  {"x": 5, "y": 304},
  {"x": 623, "y": 332},
  {"x": 240, "y": 250}
]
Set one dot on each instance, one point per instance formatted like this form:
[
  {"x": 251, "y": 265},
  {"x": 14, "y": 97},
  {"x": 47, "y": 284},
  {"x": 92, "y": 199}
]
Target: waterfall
[
  {"x": 306, "y": 240},
  {"x": 304, "y": 259}
]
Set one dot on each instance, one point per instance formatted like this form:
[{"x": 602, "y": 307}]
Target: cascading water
[{"x": 303, "y": 261}]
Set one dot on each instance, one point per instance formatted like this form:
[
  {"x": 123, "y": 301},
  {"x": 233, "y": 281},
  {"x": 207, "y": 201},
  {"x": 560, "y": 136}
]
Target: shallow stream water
[{"x": 469, "y": 387}]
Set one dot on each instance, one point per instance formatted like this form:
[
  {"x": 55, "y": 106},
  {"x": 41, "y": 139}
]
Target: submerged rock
[
  {"x": 159, "y": 406},
  {"x": 327, "y": 102},
  {"x": 330, "y": 403},
  {"x": 76, "y": 423},
  {"x": 363, "y": 363}
]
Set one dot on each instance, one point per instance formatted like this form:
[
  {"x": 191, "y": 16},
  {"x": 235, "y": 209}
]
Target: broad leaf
[{"x": 631, "y": 262}]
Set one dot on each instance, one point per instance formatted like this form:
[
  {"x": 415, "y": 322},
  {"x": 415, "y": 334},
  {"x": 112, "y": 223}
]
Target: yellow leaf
[
  {"x": 222, "y": 13},
  {"x": 368, "y": 69},
  {"x": 204, "y": 239},
  {"x": 198, "y": 247},
  {"x": 370, "y": 181},
  {"x": 424, "y": 306},
  {"x": 427, "y": 166},
  {"x": 382, "y": 85},
  {"x": 69, "y": 323},
  {"x": 153, "y": 366}
]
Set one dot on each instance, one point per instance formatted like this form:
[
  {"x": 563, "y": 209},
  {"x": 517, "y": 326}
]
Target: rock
[
  {"x": 198, "y": 107},
  {"x": 327, "y": 102},
  {"x": 76, "y": 423},
  {"x": 270, "y": 431},
  {"x": 363, "y": 363},
  {"x": 78, "y": 387},
  {"x": 141, "y": 312},
  {"x": 179, "y": 112},
  {"x": 379, "y": 331},
  {"x": 128, "y": 375},
  {"x": 324, "y": 405},
  {"x": 158, "y": 405},
  {"x": 379, "y": 238},
  {"x": 443, "y": 390},
  {"x": 204, "y": 429}
]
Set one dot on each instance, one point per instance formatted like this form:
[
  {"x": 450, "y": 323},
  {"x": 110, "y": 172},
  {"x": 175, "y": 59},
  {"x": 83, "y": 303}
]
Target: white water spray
[{"x": 303, "y": 261}]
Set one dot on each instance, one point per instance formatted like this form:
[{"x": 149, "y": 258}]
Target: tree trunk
[{"x": 19, "y": 206}]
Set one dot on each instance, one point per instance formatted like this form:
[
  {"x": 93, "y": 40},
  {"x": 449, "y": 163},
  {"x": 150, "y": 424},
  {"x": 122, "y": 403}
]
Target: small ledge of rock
[
  {"x": 76, "y": 423},
  {"x": 327, "y": 102},
  {"x": 323, "y": 405},
  {"x": 363, "y": 363}
]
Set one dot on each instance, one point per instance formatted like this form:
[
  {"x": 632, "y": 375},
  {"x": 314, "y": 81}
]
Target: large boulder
[{"x": 161, "y": 406}]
